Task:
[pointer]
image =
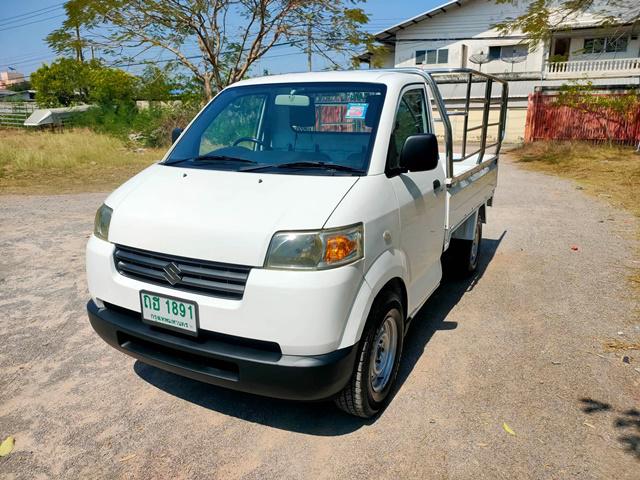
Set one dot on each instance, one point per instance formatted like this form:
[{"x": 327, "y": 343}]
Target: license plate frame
[{"x": 161, "y": 298}]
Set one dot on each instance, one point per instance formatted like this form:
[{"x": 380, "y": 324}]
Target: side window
[
  {"x": 411, "y": 119},
  {"x": 240, "y": 118}
]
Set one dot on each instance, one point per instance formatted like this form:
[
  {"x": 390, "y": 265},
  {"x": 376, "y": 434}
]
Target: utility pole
[{"x": 309, "y": 46}]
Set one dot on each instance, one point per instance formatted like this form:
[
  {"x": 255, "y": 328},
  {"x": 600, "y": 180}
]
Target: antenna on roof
[{"x": 479, "y": 59}]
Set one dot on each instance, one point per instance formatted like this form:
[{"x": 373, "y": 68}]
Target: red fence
[{"x": 547, "y": 120}]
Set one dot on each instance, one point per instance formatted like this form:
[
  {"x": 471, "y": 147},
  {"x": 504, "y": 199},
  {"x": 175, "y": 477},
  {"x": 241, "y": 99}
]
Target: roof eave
[{"x": 386, "y": 35}]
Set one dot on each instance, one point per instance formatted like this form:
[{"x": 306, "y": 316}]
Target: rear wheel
[
  {"x": 378, "y": 359},
  {"x": 461, "y": 259}
]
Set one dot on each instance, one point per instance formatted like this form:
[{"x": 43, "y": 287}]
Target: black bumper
[{"x": 219, "y": 362}]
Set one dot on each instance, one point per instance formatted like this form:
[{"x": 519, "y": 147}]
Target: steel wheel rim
[{"x": 383, "y": 355}]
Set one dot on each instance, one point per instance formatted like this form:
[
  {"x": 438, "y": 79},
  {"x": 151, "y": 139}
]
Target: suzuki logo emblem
[{"x": 172, "y": 273}]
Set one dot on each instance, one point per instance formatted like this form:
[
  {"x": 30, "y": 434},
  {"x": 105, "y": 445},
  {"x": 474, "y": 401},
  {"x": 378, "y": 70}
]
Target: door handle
[{"x": 436, "y": 185}]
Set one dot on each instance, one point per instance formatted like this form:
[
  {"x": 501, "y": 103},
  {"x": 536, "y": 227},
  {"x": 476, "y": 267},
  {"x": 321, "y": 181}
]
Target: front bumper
[
  {"x": 305, "y": 313},
  {"x": 224, "y": 361}
]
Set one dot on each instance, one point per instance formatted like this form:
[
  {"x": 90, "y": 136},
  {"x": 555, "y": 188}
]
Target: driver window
[
  {"x": 240, "y": 118},
  {"x": 411, "y": 119}
]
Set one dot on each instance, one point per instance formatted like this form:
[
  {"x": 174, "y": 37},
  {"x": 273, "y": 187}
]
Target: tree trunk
[
  {"x": 79, "y": 55},
  {"x": 208, "y": 91}
]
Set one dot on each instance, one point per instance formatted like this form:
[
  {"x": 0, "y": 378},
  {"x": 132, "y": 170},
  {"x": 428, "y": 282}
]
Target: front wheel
[{"x": 378, "y": 359}]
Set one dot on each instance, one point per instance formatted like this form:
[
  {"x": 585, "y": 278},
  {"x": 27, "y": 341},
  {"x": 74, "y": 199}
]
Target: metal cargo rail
[{"x": 467, "y": 77}]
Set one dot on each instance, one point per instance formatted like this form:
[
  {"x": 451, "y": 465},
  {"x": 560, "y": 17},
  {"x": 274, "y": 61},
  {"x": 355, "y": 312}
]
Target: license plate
[{"x": 169, "y": 312}]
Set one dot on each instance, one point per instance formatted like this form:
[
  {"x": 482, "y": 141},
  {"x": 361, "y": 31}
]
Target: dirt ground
[{"x": 522, "y": 344}]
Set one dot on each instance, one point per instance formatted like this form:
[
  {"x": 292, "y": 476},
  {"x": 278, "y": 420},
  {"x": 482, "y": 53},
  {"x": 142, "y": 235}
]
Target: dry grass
[
  {"x": 620, "y": 346},
  {"x": 67, "y": 162},
  {"x": 610, "y": 172}
]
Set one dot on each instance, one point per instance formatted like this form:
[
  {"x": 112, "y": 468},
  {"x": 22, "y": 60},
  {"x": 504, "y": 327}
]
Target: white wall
[
  {"x": 468, "y": 25},
  {"x": 577, "y": 44},
  {"x": 387, "y": 59}
]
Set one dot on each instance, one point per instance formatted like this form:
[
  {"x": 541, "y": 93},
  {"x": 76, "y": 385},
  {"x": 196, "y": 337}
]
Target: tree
[
  {"x": 225, "y": 53},
  {"x": 68, "y": 40},
  {"x": 158, "y": 84},
  {"x": 69, "y": 82},
  {"x": 110, "y": 86},
  {"x": 65, "y": 82},
  {"x": 542, "y": 17}
]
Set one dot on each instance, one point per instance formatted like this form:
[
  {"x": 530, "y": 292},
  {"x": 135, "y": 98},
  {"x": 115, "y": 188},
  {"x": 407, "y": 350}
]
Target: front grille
[{"x": 200, "y": 276}]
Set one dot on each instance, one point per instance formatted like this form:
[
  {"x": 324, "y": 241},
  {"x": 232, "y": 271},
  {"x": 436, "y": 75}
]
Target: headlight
[
  {"x": 101, "y": 224},
  {"x": 316, "y": 250}
]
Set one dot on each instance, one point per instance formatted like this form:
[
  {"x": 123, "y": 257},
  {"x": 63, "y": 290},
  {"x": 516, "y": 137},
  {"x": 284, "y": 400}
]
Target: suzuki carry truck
[{"x": 293, "y": 230}]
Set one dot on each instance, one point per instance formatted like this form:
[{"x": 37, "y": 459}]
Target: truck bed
[
  {"x": 465, "y": 197},
  {"x": 472, "y": 174}
]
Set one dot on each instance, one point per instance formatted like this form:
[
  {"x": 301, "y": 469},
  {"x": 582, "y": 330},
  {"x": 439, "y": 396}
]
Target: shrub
[
  {"x": 69, "y": 82},
  {"x": 150, "y": 127}
]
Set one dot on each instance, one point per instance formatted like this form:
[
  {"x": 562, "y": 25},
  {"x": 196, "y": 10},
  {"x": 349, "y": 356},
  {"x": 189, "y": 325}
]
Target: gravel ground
[{"x": 521, "y": 344}]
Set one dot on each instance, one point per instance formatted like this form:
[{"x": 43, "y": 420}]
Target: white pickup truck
[{"x": 292, "y": 231}]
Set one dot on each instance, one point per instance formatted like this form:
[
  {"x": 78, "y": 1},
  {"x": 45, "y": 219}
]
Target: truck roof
[{"x": 368, "y": 76}]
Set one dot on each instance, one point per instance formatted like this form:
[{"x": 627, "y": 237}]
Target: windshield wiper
[
  {"x": 213, "y": 157},
  {"x": 224, "y": 158},
  {"x": 310, "y": 165}
]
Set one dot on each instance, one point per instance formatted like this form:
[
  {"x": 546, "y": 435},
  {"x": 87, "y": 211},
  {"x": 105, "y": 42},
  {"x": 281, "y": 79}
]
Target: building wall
[
  {"x": 467, "y": 26},
  {"x": 10, "y": 78},
  {"x": 388, "y": 59},
  {"x": 514, "y": 131},
  {"x": 576, "y": 48}
]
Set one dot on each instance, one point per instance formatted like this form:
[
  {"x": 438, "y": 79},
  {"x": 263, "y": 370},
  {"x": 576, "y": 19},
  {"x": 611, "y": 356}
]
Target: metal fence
[
  {"x": 547, "y": 120},
  {"x": 13, "y": 114}
]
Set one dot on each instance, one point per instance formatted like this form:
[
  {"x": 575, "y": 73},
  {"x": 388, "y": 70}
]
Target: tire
[
  {"x": 461, "y": 259},
  {"x": 376, "y": 368}
]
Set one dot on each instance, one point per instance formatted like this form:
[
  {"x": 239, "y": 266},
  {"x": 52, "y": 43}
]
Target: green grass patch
[{"x": 80, "y": 160}]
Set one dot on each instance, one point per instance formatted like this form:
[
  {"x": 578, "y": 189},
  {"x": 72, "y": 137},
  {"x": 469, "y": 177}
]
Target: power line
[
  {"x": 190, "y": 57},
  {"x": 31, "y": 13},
  {"x": 31, "y": 23},
  {"x": 22, "y": 57}
]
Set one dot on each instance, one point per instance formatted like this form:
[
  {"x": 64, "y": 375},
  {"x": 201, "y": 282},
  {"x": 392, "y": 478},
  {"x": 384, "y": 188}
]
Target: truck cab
[{"x": 292, "y": 231}]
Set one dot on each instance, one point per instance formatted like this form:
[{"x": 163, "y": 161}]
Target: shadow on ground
[
  {"x": 322, "y": 418},
  {"x": 627, "y": 422}
]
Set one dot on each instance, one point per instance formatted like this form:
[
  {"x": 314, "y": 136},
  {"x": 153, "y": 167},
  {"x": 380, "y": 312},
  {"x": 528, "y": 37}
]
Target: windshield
[{"x": 304, "y": 128}]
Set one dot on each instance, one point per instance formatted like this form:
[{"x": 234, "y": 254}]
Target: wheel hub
[{"x": 383, "y": 354}]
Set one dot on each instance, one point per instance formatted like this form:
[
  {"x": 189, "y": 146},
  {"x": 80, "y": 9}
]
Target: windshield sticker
[{"x": 357, "y": 110}]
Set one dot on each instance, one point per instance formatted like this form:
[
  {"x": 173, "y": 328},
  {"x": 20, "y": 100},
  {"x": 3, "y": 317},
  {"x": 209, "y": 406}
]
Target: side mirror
[
  {"x": 175, "y": 133},
  {"x": 420, "y": 153}
]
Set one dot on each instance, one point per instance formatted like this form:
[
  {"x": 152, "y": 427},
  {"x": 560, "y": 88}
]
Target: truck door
[{"x": 421, "y": 199}]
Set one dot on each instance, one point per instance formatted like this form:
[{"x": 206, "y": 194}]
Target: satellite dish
[
  {"x": 513, "y": 55},
  {"x": 479, "y": 59}
]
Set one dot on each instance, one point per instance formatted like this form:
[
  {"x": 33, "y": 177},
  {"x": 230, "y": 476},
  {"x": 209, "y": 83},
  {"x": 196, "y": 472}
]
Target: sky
[{"x": 25, "y": 23}]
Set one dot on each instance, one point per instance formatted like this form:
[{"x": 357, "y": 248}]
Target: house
[
  {"x": 461, "y": 33},
  {"x": 10, "y": 77},
  {"x": 11, "y": 96}
]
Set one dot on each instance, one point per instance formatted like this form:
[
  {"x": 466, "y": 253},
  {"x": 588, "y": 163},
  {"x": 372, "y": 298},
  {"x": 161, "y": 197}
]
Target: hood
[{"x": 220, "y": 216}]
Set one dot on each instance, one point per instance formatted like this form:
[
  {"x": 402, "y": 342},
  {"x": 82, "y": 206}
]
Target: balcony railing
[{"x": 593, "y": 68}]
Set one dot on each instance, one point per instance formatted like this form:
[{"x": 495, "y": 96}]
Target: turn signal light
[{"x": 338, "y": 248}]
